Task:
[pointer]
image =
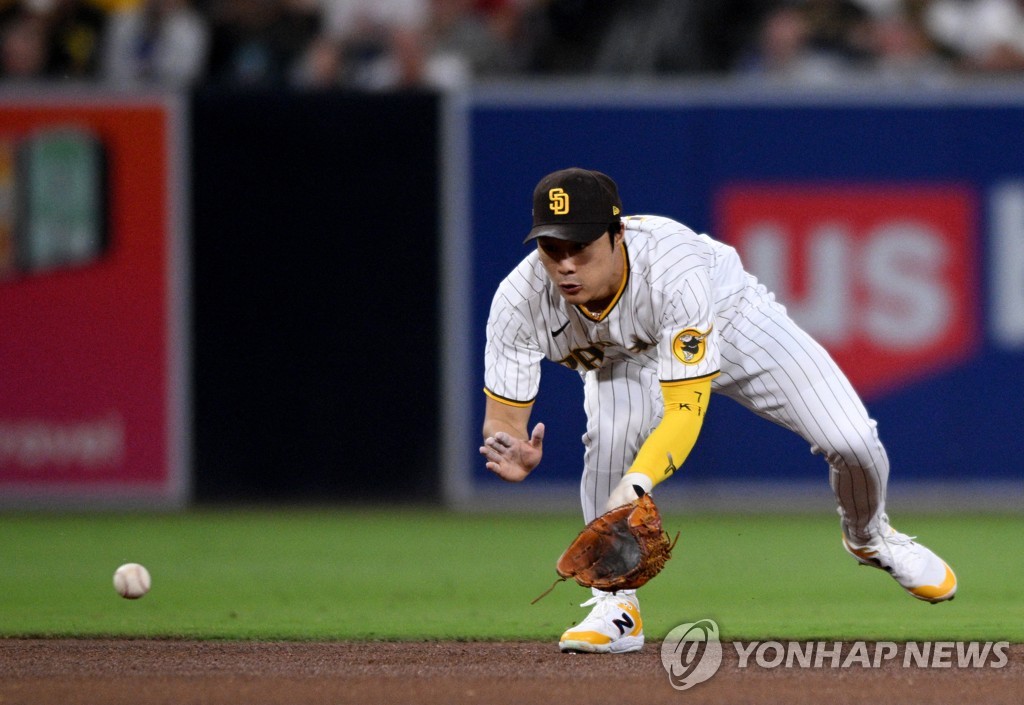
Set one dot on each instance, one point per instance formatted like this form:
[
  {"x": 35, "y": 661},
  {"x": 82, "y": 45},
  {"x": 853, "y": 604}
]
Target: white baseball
[{"x": 131, "y": 581}]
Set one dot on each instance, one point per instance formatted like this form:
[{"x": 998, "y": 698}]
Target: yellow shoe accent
[
  {"x": 864, "y": 553},
  {"x": 595, "y": 638},
  {"x": 937, "y": 593}
]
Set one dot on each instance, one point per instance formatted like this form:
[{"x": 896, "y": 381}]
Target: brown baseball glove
[{"x": 620, "y": 550}]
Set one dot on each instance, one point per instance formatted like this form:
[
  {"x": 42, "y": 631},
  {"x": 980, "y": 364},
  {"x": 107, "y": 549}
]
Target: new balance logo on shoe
[{"x": 623, "y": 623}]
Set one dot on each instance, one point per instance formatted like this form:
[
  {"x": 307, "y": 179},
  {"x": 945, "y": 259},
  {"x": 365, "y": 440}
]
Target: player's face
[{"x": 586, "y": 274}]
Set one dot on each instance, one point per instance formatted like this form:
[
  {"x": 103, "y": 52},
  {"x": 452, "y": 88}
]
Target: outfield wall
[
  {"x": 891, "y": 223},
  {"x": 236, "y": 304},
  {"x": 288, "y": 302},
  {"x": 316, "y": 317},
  {"x": 94, "y": 310}
]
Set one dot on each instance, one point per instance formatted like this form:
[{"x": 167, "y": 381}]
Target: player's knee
[{"x": 851, "y": 446}]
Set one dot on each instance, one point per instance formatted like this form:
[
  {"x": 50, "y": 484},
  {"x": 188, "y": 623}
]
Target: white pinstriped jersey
[
  {"x": 687, "y": 310},
  {"x": 679, "y": 291}
]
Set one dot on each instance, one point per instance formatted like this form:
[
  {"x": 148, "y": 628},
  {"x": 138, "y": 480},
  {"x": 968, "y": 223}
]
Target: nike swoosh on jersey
[{"x": 555, "y": 333}]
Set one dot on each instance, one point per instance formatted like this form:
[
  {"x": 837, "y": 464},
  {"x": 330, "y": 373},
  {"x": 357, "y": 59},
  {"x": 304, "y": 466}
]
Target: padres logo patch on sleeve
[{"x": 689, "y": 345}]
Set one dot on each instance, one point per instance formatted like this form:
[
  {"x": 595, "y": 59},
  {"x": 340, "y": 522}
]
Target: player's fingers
[
  {"x": 537, "y": 437},
  {"x": 490, "y": 452},
  {"x": 503, "y": 442},
  {"x": 495, "y": 444},
  {"x": 507, "y": 472}
]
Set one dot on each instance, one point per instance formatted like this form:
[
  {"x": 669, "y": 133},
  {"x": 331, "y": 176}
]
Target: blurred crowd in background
[{"x": 396, "y": 44}]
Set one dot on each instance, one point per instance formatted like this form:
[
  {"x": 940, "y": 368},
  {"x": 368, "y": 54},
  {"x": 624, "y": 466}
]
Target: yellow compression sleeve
[{"x": 673, "y": 438}]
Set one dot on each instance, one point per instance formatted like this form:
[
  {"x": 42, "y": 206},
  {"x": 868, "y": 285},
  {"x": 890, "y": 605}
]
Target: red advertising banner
[
  {"x": 92, "y": 315},
  {"x": 883, "y": 276}
]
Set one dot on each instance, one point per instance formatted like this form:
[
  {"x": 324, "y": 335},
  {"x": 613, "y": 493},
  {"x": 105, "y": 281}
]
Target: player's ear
[{"x": 616, "y": 231}]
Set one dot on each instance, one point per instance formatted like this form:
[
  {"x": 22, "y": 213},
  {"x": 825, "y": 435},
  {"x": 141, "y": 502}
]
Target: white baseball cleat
[
  {"x": 915, "y": 567},
  {"x": 612, "y": 627}
]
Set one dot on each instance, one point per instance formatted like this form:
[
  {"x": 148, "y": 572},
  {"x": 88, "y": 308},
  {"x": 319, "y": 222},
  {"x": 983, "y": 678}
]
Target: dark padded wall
[{"x": 315, "y": 238}]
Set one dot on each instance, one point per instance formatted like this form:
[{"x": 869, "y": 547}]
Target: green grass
[{"x": 421, "y": 574}]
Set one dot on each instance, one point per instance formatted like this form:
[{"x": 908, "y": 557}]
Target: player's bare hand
[{"x": 512, "y": 458}]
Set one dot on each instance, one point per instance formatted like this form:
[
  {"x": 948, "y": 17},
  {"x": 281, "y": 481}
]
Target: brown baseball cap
[{"x": 574, "y": 204}]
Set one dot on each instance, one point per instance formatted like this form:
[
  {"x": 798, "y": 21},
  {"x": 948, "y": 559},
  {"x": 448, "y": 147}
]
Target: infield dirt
[{"x": 174, "y": 672}]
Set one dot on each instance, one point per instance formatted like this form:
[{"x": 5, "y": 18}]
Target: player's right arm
[
  {"x": 512, "y": 358},
  {"x": 511, "y": 452}
]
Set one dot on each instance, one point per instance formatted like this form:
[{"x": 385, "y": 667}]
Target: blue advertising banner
[{"x": 891, "y": 227}]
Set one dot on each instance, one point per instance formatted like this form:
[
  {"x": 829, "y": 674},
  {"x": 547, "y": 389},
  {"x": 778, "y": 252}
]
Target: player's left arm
[
  {"x": 688, "y": 359},
  {"x": 671, "y": 440}
]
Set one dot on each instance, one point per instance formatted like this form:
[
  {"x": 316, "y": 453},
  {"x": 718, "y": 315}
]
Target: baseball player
[{"x": 656, "y": 317}]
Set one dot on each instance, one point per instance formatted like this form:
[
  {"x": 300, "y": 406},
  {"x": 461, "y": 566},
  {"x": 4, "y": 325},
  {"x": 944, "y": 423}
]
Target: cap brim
[{"x": 574, "y": 232}]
